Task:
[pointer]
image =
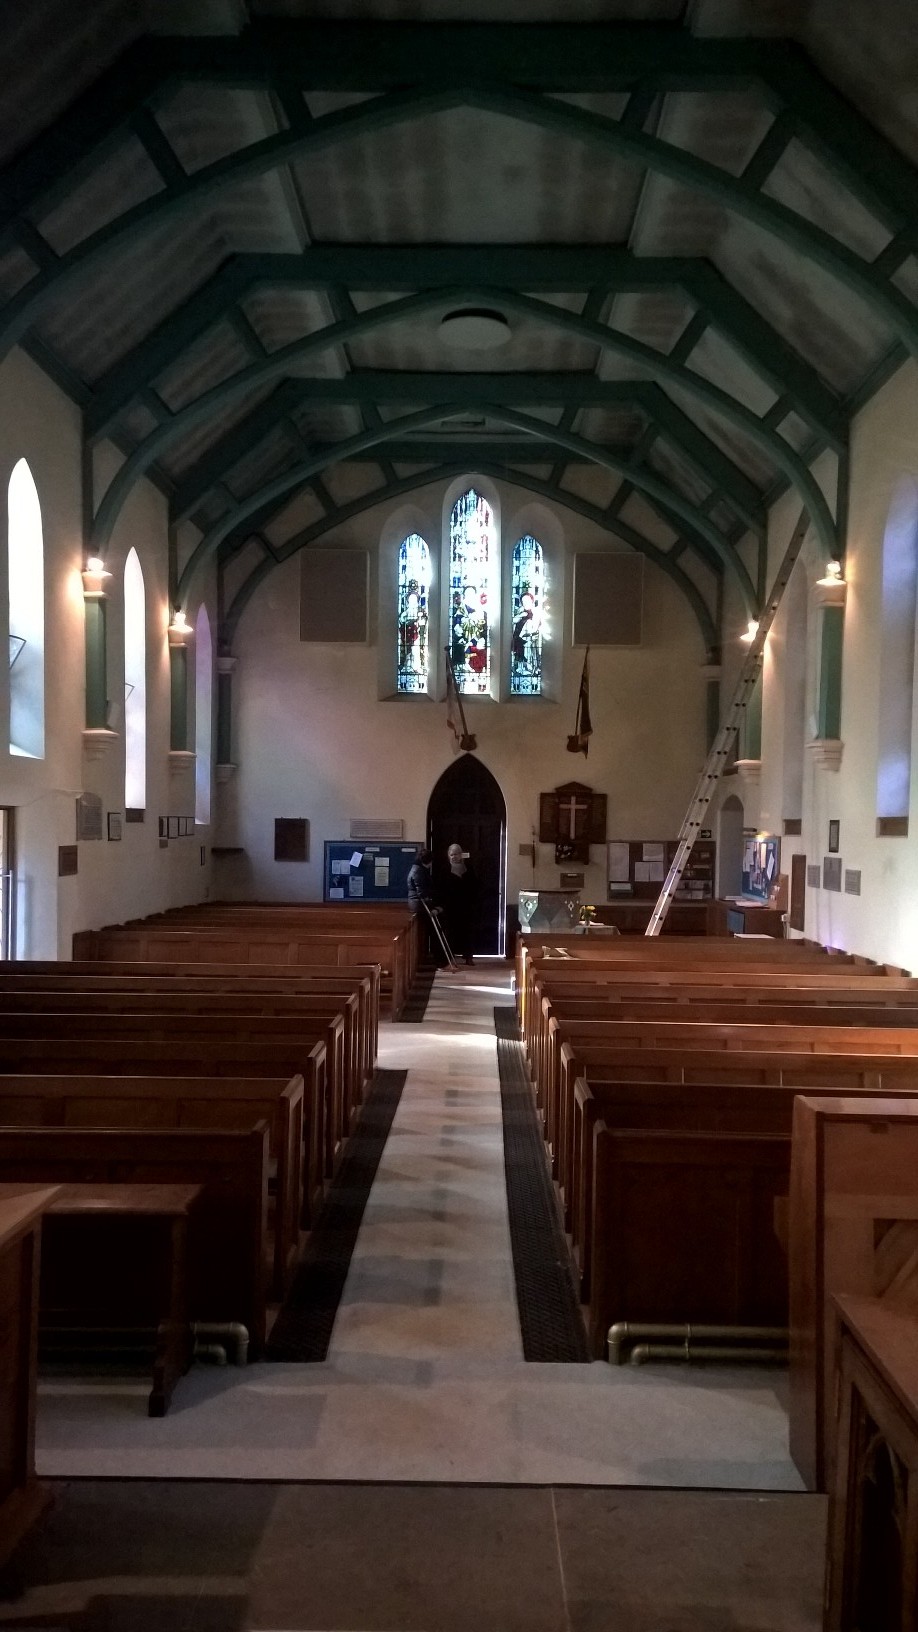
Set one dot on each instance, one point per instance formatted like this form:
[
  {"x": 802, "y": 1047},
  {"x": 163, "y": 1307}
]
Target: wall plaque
[
  {"x": 68, "y": 857},
  {"x": 832, "y": 873},
  {"x": 89, "y": 816},
  {"x": 572, "y": 818}
]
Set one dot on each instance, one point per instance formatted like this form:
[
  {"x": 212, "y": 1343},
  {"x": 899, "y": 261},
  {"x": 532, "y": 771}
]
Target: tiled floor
[
  {"x": 234, "y": 1557},
  {"x": 425, "y": 1378}
]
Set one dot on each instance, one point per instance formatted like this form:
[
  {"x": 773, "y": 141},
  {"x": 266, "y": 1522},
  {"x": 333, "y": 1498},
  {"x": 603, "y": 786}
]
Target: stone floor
[{"x": 136, "y": 1556}]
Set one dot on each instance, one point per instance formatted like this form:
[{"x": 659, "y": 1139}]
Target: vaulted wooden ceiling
[{"x": 236, "y": 249}]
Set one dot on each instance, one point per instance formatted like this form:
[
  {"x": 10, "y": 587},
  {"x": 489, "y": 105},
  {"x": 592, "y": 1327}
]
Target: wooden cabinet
[
  {"x": 746, "y": 918},
  {"x": 872, "y": 1561},
  {"x": 21, "y": 1497}
]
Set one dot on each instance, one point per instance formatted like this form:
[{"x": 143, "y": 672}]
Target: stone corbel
[
  {"x": 748, "y": 772},
  {"x": 826, "y": 751},
  {"x": 226, "y": 771},
  {"x": 97, "y": 741},
  {"x": 180, "y": 761}
]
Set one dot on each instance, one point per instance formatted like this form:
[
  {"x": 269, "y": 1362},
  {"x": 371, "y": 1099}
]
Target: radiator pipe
[
  {"x": 684, "y": 1333},
  {"x": 214, "y": 1352},
  {"x": 230, "y": 1333},
  {"x": 711, "y": 1351}
]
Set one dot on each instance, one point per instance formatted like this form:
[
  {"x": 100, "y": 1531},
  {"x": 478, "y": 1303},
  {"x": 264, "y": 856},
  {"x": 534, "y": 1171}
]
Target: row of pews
[
  {"x": 732, "y": 1127},
  {"x": 174, "y": 1103}
]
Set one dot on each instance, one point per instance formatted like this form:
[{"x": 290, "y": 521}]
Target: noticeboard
[{"x": 356, "y": 872}]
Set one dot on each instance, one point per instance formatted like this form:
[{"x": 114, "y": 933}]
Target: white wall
[
  {"x": 115, "y": 880},
  {"x": 314, "y": 738}
]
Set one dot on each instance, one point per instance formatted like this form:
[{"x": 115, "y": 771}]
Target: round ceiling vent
[{"x": 475, "y": 329}]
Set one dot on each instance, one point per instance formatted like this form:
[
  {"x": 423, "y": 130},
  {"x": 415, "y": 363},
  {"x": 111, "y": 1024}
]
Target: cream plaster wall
[
  {"x": 314, "y": 738},
  {"x": 115, "y": 880}
]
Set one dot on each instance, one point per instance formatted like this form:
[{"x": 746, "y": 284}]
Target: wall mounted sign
[
  {"x": 833, "y": 838},
  {"x": 114, "y": 824},
  {"x": 89, "y": 816},
  {"x": 832, "y": 873}
]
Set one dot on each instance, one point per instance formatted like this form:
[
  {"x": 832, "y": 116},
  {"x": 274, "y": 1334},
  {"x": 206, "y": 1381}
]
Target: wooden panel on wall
[
  {"x": 334, "y": 596},
  {"x": 291, "y": 838},
  {"x": 608, "y": 599}
]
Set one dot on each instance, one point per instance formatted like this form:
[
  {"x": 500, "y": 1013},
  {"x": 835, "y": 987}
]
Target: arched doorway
[{"x": 467, "y": 807}]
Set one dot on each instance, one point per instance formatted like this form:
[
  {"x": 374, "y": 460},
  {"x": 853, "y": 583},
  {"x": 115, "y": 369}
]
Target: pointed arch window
[
  {"x": 897, "y": 660},
  {"x": 527, "y": 591},
  {"x": 26, "y": 560},
  {"x": 135, "y": 685},
  {"x": 471, "y": 552},
  {"x": 203, "y": 714},
  {"x": 413, "y": 614}
]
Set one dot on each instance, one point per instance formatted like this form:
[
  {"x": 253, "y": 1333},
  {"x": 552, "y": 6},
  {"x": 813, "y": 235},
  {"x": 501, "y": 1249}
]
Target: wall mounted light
[
  {"x": 94, "y": 575},
  {"x": 180, "y": 630},
  {"x": 833, "y": 574},
  {"x": 752, "y": 629}
]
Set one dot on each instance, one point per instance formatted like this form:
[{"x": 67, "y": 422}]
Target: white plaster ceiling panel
[
  {"x": 664, "y": 460},
  {"x": 415, "y": 343},
  {"x": 906, "y": 278},
  {"x": 810, "y": 188},
  {"x": 753, "y": 460},
  {"x": 280, "y": 316},
  {"x": 126, "y": 179},
  {"x": 656, "y": 319},
  {"x": 724, "y": 517},
  {"x": 347, "y": 483},
  {"x": 870, "y": 53},
  {"x": 722, "y": 127},
  {"x": 198, "y": 438},
  {"x": 268, "y": 458},
  {"x": 130, "y": 293},
  {"x": 796, "y": 431},
  {"x": 715, "y": 359},
  {"x": 591, "y": 482},
  {"x": 320, "y": 424},
  {"x": 467, "y": 176},
  {"x": 217, "y": 356},
  {"x": 204, "y": 123},
  {"x": 618, "y": 427},
  {"x": 639, "y": 513}
]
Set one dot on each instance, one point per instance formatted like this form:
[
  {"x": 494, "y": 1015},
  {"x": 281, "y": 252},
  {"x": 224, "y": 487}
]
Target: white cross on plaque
[{"x": 571, "y": 807}]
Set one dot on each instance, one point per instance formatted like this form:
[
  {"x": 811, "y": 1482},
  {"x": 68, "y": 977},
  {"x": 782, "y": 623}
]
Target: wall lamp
[
  {"x": 752, "y": 629},
  {"x": 833, "y": 574},
  {"x": 180, "y": 630},
  {"x": 94, "y": 575}
]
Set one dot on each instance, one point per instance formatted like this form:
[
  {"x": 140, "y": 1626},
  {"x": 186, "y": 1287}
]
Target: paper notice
[
  {"x": 653, "y": 851},
  {"x": 619, "y": 866},
  {"x": 355, "y": 886},
  {"x": 381, "y": 873},
  {"x": 356, "y": 858},
  {"x": 335, "y": 894},
  {"x": 340, "y": 868}
]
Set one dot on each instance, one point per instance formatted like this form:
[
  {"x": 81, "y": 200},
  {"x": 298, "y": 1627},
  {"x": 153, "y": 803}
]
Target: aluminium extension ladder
[{"x": 716, "y": 762}]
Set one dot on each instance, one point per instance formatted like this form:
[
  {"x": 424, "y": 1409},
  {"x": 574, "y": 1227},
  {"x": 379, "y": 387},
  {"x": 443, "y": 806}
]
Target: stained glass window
[
  {"x": 471, "y": 537},
  {"x": 527, "y": 602},
  {"x": 413, "y": 593}
]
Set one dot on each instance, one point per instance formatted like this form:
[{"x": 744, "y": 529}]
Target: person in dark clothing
[
  {"x": 421, "y": 903},
  {"x": 460, "y": 904}
]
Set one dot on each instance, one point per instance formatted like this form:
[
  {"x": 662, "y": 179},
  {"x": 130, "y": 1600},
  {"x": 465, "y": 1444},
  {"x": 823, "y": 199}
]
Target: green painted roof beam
[
  {"x": 535, "y": 267},
  {"x": 516, "y": 390},
  {"x": 287, "y": 483},
  {"x": 392, "y": 491},
  {"x": 656, "y": 364}
]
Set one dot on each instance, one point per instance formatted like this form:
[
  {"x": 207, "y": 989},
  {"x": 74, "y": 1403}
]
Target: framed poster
[{"x": 833, "y": 838}]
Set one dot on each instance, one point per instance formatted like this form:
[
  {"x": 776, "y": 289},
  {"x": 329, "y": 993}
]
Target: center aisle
[{"x": 425, "y": 1379}]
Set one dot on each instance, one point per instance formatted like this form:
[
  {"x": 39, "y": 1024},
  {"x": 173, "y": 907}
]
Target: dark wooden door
[{"x": 467, "y": 808}]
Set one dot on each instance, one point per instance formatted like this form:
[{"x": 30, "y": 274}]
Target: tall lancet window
[
  {"x": 203, "y": 714},
  {"x": 27, "y": 616},
  {"x": 526, "y": 599},
  {"x": 135, "y": 685},
  {"x": 471, "y": 548},
  {"x": 413, "y": 599}
]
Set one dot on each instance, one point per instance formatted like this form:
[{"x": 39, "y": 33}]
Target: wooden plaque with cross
[{"x": 572, "y": 818}]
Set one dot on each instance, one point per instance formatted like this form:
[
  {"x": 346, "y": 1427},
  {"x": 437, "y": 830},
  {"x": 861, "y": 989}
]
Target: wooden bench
[
  {"x": 124, "y": 1245},
  {"x": 94, "y": 1101},
  {"x": 22, "y": 1498},
  {"x": 228, "y": 1229}
]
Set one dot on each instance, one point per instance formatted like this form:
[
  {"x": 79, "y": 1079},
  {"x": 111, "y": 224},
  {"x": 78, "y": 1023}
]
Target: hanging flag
[
  {"x": 455, "y": 716},
  {"x": 579, "y": 743}
]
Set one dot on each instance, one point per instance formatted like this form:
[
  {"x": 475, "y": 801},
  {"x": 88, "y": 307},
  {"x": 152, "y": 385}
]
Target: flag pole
[{"x": 467, "y": 742}]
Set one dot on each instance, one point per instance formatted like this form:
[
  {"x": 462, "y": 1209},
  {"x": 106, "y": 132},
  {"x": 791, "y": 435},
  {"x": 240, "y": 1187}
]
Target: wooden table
[
  {"x": 22, "y": 1498},
  {"x": 872, "y": 1563},
  {"x": 116, "y": 1260}
]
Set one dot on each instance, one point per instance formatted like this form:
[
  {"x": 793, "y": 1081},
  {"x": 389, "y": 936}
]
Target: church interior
[{"x": 458, "y": 902}]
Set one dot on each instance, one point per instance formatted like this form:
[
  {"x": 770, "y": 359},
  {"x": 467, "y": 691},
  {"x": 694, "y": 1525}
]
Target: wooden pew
[
  {"x": 22, "y": 1498},
  {"x": 228, "y": 1228},
  {"x": 96, "y": 1101},
  {"x": 853, "y": 1229}
]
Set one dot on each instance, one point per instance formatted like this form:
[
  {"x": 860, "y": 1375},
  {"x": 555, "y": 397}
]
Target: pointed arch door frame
[{"x": 466, "y": 806}]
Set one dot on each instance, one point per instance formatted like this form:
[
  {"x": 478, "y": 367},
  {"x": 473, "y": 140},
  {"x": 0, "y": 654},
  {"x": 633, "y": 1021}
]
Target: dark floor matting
[
  {"x": 550, "y": 1321},
  {"x": 303, "y": 1328},
  {"x": 418, "y": 997}
]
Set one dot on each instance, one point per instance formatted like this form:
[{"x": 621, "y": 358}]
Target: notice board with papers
[{"x": 358, "y": 871}]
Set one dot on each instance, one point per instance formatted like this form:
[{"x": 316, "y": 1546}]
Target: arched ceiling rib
[{"x": 662, "y": 368}]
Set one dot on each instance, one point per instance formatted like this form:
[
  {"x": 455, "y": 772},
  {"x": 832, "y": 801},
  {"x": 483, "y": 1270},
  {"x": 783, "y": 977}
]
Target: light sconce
[
  {"x": 180, "y": 630},
  {"x": 752, "y": 629},
  {"x": 833, "y": 574},
  {"x": 94, "y": 575}
]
